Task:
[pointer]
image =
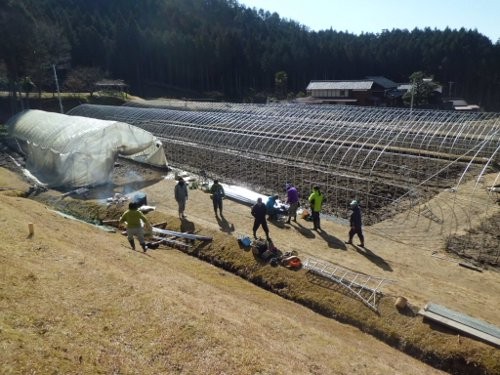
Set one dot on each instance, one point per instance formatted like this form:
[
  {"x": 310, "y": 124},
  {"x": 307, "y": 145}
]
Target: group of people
[
  {"x": 181, "y": 196},
  {"x": 315, "y": 200},
  {"x": 259, "y": 211}
]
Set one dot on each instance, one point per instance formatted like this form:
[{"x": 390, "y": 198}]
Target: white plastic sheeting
[{"x": 73, "y": 151}]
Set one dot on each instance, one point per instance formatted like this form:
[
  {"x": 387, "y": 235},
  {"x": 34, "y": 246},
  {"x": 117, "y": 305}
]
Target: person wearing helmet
[{"x": 356, "y": 225}]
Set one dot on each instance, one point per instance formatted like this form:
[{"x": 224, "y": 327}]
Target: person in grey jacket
[{"x": 181, "y": 196}]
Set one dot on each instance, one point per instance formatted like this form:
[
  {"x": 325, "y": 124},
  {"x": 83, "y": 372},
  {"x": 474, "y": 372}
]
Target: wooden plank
[
  {"x": 464, "y": 323},
  {"x": 189, "y": 236},
  {"x": 168, "y": 241},
  {"x": 470, "y": 266}
]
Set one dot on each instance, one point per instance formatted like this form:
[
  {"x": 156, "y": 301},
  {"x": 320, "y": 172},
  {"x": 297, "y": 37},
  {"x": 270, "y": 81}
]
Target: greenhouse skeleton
[
  {"x": 400, "y": 164},
  {"x": 384, "y": 157}
]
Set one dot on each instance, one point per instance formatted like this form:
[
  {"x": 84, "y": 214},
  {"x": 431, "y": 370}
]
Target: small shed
[{"x": 109, "y": 86}]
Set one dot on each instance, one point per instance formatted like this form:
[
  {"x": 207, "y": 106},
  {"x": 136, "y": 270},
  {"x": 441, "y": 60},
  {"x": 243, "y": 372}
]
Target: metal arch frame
[{"x": 321, "y": 138}]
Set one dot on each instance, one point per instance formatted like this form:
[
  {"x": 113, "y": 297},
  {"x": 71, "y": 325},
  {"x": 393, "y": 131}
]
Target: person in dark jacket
[
  {"x": 181, "y": 196},
  {"x": 217, "y": 193},
  {"x": 356, "y": 225},
  {"x": 259, "y": 213}
]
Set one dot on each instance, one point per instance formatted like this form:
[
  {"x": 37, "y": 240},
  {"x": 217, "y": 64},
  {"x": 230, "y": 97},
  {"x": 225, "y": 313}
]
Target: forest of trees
[{"x": 221, "y": 49}]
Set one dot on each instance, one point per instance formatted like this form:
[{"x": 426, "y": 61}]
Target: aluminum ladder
[{"x": 363, "y": 286}]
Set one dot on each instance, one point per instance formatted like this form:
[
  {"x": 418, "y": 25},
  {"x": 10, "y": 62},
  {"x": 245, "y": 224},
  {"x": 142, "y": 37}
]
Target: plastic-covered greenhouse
[
  {"x": 73, "y": 151},
  {"x": 390, "y": 159}
]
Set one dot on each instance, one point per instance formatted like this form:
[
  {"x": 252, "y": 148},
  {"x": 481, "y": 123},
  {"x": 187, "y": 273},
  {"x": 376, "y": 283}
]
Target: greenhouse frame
[{"x": 394, "y": 161}]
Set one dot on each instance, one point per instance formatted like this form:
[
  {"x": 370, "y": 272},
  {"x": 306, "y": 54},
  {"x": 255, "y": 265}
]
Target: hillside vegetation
[{"x": 221, "y": 49}]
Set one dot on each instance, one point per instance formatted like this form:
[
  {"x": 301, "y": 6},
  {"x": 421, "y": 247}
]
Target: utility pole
[
  {"x": 412, "y": 94},
  {"x": 57, "y": 87},
  {"x": 450, "y": 85}
]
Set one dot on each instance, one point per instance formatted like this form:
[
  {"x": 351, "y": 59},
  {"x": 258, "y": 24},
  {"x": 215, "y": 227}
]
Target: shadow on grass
[
  {"x": 306, "y": 232},
  {"x": 224, "y": 225},
  {"x": 279, "y": 223},
  {"x": 332, "y": 241},
  {"x": 374, "y": 258}
]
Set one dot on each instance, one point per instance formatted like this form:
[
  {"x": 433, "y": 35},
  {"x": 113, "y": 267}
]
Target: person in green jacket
[
  {"x": 133, "y": 218},
  {"x": 316, "y": 201}
]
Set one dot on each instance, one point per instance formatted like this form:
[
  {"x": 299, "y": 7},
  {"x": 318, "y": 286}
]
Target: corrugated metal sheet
[
  {"x": 462, "y": 322},
  {"x": 382, "y": 81},
  {"x": 340, "y": 85}
]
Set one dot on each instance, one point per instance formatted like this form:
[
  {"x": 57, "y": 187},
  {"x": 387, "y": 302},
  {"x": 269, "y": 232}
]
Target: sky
[{"x": 373, "y": 16}]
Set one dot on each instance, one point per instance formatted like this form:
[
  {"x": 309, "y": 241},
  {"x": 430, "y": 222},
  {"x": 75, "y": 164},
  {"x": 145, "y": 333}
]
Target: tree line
[{"x": 222, "y": 49}]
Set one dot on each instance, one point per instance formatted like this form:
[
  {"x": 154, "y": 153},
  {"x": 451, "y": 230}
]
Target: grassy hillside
[{"x": 73, "y": 300}]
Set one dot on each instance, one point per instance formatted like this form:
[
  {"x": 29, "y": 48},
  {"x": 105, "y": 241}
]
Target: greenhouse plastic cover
[{"x": 73, "y": 151}]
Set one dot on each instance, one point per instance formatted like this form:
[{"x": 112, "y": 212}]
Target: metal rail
[{"x": 365, "y": 287}]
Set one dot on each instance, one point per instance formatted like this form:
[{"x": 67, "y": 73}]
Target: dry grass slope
[{"x": 73, "y": 299}]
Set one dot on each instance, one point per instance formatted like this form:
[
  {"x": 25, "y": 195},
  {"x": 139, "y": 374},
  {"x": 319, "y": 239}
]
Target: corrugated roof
[
  {"x": 340, "y": 85},
  {"x": 386, "y": 83}
]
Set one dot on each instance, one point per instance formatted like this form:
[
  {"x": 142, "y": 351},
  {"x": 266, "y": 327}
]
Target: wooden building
[{"x": 366, "y": 92}]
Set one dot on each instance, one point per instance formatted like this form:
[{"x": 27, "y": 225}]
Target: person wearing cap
[
  {"x": 293, "y": 202},
  {"x": 316, "y": 202},
  {"x": 356, "y": 225},
  {"x": 181, "y": 196},
  {"x": 217, "y": 194}
]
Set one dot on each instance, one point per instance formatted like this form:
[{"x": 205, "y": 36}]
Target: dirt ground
[
  {"x": 75, "y": 299},
  {"x": 407, "y": 250}
]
